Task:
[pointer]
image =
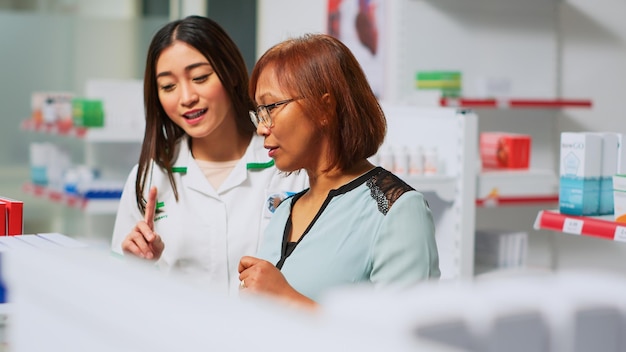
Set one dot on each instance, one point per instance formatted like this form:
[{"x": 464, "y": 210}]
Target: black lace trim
[{"x": 386, "y": 188}]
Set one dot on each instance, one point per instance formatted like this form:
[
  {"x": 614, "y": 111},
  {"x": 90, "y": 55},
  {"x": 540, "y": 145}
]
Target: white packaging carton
[
  {"x": 610, "y": 143},
  {"x": 621, "y": 154},
  {"x": 580, "y": 171},
  {"x": 619, "y": 197}
]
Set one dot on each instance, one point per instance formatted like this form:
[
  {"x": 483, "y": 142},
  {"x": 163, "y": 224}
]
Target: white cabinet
[{"x": 451, "y": 193}]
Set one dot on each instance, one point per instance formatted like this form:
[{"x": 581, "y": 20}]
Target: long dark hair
[{"x": 161, "y": 134}]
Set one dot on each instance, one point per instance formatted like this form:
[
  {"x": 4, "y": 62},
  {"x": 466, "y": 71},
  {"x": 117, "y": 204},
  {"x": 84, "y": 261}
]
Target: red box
[
  {"x": 3, "y": 218},
  {"x": 14, "y": 216},
  {"x": 503, "y": 150}
]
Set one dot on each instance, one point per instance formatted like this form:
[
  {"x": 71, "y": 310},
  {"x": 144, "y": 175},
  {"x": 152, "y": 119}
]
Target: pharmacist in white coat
[
  {"x": 204, "y": 187},
  {"x": 207, "y": 231}
]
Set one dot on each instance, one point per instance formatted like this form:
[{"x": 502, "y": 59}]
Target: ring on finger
[{"x": 242, "y": 284}]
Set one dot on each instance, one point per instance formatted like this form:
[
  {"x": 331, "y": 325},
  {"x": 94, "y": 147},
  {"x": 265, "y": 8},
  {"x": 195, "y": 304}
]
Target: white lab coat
[{"x": 208, "y": 231}]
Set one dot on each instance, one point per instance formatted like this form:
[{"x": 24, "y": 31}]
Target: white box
[
  {"x": 500, "y": 249},
  {"x": 619, "y": 198},
  {"x": 610, "y": 144},
  {"x": 621, "y": 154},
  {"x": 580, "y": 170}
]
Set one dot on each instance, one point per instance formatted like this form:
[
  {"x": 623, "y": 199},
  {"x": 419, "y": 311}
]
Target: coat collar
[{"x": 254, "y": 160}]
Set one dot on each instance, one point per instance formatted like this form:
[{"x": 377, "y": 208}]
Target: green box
[
  {"x": 449, "y": 82},
  {"x": 87, "y": 112}
]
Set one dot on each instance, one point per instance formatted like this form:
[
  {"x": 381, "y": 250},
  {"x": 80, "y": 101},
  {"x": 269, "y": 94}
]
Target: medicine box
[
  {"x": 619, "y": 198},
  {"x": 447, "y": 82},
  {"x": 3, "y": 218},
  {"x": 580, "y": 170},
  {"x": 87, "y": 112},
  {"x": 621, "y": 154},
  {"x": 503, "y": 150},
  {"x": 14, "y": 216},
  {"x": 610, "y": 142}
]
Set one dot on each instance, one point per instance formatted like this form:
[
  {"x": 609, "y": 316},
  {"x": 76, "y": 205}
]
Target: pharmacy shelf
[
  {"x": 597, "y": 226},
  {"x": 516, "y": 187},
  {"x": 87, "y": 205},
  {"x": 512, "y": 103},
  {"x": 88, "y": 134},
  {"x": 531, "y": 200},
  {"x": 443, "y": 186}
]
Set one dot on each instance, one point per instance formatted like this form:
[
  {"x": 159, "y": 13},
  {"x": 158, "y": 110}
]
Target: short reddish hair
[{"x": 314, "y": 65}]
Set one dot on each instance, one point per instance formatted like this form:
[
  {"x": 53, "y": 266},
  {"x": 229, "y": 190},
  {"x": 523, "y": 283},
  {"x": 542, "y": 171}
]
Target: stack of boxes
[
  {"x": 11, "y": 216},
  {"x": 500, "y": 249}
]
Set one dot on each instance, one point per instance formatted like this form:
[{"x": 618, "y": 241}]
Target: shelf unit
[
  {"x": 95, "y": 134},
  {"x": 441, "y": 185},
  {"x": 88, "y": 206},
  {"x": 516, "y": 201},
  {"x": 100, "y": 146},
  {"x": 601, "y": 226},
  {"x": 515, "y": 103},
  {"x": 112, "y": 149},
  {"x": 451, "y": 195},
  {"x": 112, "y": 152},
  {"x": 516, "y": 187},
  {"x": 483, "y": 39}
]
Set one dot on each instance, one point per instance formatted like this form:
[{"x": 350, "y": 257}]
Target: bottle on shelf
[
  {"x": 416, "y": 161},
  {"x": 431, "y": 161}
]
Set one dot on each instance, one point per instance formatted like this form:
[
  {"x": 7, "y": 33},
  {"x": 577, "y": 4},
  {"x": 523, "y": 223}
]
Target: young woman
[
  {"x": 203, "y": 189},
  {"x": 356, "y": 222}
]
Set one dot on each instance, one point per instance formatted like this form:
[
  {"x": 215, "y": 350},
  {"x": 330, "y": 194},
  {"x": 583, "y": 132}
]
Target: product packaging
[
  {"x": 504, "y": 150},
  {"x": 14, "y": 216},
  {"x": 619, "y": 198},
  {"x": 88, "y": 112},
  {"x": 621, "y": 154},
  {"x": 3, "y": 218},
  {"x": 448, "y": 83},
  {"x": 580, "y": 170},
  {"x": 608, "y": 169}
]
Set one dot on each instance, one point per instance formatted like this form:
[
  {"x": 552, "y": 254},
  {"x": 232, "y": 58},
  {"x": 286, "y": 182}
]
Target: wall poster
[{"x": 359, "y": 24}]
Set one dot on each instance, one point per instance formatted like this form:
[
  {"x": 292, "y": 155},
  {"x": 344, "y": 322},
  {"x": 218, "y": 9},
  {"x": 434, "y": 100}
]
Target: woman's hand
[
  {"x": 260, "y": 276},
  {"x": 142, "y": 241}
]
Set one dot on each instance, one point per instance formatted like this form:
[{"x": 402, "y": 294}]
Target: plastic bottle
[
  {"x": 416, "y": 161},
  {"x": 400, "y": 160},
  {"x": 431, "y": 161}
]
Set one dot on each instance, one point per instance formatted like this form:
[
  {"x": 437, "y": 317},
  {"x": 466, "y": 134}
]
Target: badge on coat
[{"x": 273, "y": 200}]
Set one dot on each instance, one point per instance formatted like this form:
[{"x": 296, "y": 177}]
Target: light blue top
[{"x": 375, "y": 229}]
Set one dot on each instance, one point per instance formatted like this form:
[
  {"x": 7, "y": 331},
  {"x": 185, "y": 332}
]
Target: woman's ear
[
  {"x": 329, "y": 104},
  {"x": 327, "y": 99}
]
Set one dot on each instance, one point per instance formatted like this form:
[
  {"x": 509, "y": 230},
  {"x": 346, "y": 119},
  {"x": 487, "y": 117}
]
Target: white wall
[
  {"x": 594, "y": 63},
  {"x": 279, "y": 19},
  {"x": 108, "y": 9}
]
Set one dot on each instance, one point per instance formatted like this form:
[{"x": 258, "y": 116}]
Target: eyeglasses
[{"x": 262, "y": 113}]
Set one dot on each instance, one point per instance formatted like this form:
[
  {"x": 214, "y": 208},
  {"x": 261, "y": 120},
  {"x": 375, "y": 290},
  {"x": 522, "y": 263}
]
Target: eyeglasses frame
[{"x": 255, "y": 115}]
